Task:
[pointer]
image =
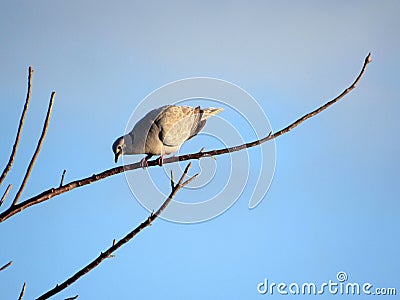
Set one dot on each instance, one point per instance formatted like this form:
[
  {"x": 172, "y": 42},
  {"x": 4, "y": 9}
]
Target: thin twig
[
  {"x": 21, "y": 124},
  {"x": 6, "y": 265},
  {"x": 172, "y": 179},
  {"x": 39, "y": 145},
  {"x": 21, "y": 295},
  {"x": 121, "y": 242},
  {"x": 72, "y": 298},
  {"x": 62, "y": 178},
  {"x": 96, "y": 177},
  {"x": 5, "y": 194}
]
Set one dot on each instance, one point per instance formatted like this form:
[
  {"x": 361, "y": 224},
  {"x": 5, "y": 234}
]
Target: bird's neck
[{"x": 133, "y": 146}]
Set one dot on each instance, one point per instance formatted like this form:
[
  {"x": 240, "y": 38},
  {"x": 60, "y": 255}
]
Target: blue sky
[{"x": 332, "y": 205}]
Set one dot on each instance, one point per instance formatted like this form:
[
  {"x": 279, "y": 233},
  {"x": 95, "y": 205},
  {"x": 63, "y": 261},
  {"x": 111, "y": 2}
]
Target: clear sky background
[{"x": 333, "y": 204}]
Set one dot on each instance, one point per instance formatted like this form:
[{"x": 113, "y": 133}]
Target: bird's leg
[
  {"x": 160, "y": 160},
  {"x": 143, "y": 162}
]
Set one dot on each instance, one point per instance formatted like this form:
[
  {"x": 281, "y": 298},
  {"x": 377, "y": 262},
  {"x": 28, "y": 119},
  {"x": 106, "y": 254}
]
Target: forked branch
[
  {"x": 46, "y": 195},
  {"x": 124, "y": 240},
  {"x": 38, "y": 147}
]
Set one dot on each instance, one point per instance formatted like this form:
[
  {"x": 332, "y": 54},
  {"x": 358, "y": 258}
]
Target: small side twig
[
  {"x": 172, "y": 180},
  {"x": 38, "y": 147},
  {"x": 62, "y": 178},
  {"x": 72, "y": 298},
  {"x": 6, "y": 265},
  {"x": 21, "y": 295},
  {"x": 5, "y": 194},
  {"x": 104, "y": 255},
  {"x": 21, "y": 124}
]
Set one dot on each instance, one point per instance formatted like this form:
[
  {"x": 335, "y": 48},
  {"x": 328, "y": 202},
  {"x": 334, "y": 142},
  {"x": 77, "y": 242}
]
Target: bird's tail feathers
[{"x": 211, "y": 111}]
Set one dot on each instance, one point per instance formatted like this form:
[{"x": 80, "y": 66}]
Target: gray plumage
[{"x": 163, "y": 130}]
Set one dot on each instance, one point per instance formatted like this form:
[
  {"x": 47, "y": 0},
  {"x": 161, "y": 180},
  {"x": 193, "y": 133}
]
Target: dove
[{"x": 162, "y": 131}]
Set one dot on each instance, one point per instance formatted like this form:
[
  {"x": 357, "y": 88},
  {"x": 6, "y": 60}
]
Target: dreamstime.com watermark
[{"x": 340, "y": 286}]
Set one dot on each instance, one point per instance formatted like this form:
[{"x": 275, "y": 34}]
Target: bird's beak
[{"x": 117, "y": 154}]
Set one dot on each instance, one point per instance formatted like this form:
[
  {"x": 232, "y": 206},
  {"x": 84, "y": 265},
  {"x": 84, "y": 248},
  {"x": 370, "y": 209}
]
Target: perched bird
[{"x": 162, "y": 131}]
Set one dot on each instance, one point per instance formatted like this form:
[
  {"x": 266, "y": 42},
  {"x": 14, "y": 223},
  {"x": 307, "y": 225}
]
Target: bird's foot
[
  {"x": 143, "y": 163},
  {"x": 160, "y": 160}
]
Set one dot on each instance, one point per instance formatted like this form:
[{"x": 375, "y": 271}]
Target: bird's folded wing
[{"x": 178, "y": 124}]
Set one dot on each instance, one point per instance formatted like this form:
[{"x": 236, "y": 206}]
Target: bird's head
[{"x": 119, "y": 147}]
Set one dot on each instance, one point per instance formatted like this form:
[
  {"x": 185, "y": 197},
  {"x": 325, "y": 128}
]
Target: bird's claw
[
  {"x": 143, "y": 163},
  {"x": 160, "y": 160}
]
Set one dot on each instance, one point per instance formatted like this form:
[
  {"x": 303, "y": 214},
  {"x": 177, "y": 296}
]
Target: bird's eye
[{"x": 119, "y": 148}]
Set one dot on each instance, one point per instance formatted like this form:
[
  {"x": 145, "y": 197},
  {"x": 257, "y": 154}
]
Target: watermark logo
[
  {"x": 341, "y": 276},
  {"x": 222, "y": 180},
  {"x": 340, "y": 286}
]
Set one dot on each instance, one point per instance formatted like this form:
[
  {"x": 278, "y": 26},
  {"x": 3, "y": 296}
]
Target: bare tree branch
[
  {"x": 21, "y": 124},
  {"x": 46, "y": 195},
  {"x": 21, "y": 295},
  {"x": 5, "y": 194},
  {"x": 72, "y": 298},
  {"x": 38, "y": 147},
  {"x": 6, "y": 265},
  {"x": 121, "y": 242}
]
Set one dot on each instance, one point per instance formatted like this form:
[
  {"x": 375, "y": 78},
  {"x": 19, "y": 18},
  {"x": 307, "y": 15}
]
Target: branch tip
[
  {"x": 6, "y": 265},
  {"x": 190, "y": 179},
  {"x": 19, "y": 130},
  {"x": 368, "y": 59},
  {"x": 62, "y": 178},
  {"x": 187, "y": 168}
]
